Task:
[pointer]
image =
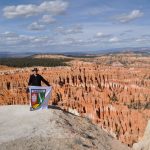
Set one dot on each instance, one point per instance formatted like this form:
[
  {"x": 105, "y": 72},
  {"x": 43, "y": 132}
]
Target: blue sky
[{"x": 73, "y": 25}]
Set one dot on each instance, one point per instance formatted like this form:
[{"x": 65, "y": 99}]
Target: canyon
[{"x": 113, "y": 91}]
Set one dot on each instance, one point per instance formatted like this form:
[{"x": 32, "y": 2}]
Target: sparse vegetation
[
  {"x": 113, "y": 98},
  {"x": 139, "y": 105}
]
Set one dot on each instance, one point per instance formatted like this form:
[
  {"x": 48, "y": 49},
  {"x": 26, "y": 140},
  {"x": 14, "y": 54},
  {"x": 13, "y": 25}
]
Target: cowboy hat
[{"x": 35, "y": 69}]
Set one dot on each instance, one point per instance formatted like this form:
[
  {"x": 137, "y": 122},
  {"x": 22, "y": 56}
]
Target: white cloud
[
  {"x": 19, "y": 40},
  {"x": 102, "y": 35},
  {"x": 11, "y": 38},
  {"x": 129, "y": 17},
  {"x": 41, "y": 23},
  {"x": 99, "y": 34},
  {"x": 52, "y": 7},
  {"x": 8, "y": 34},
  {"x": 114, "y": 39},
  {"x": 36, "y": 26},
  {"x": 47, "y": 19},
  {"x": 72, "y": 30},
  {"x": 98, "y": 10},
  {"x": 42, "y": 39},
  {"x": 142, "y": 40}
]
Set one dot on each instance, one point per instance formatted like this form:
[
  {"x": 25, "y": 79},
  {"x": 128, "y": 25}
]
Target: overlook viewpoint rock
[{"x": 51, "y": 129}]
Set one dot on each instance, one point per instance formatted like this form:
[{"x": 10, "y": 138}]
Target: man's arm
[
  {"x": 30, "y": 80},
  {"x": 29, "y": 83},
  {"x": 46, "y": 82}
]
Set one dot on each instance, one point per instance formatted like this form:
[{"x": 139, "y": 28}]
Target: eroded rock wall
[{"x": 115, "y": 98}]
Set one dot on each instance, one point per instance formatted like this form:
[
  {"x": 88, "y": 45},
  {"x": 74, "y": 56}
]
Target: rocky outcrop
[
  {"x": 115, "y": 98},
  {"x": 144, "y": 143},
  {"x": 56, "y": 130}
]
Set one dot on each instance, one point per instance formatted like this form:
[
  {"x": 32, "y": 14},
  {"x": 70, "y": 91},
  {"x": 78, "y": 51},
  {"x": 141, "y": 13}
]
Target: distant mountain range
[
  {"x": 142, "y": 50},
  {"x": 15, "y": 54}
]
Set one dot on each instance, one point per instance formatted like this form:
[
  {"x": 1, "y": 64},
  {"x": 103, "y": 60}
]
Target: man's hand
[{"x": 27, "y": 90}]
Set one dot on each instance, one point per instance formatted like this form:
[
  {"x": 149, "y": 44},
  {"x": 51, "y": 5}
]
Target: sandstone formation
[{"x": 116, "y": 97}]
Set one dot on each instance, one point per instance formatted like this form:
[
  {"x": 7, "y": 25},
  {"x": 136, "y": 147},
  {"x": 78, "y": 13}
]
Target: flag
[{"x": 39, "y": 97}]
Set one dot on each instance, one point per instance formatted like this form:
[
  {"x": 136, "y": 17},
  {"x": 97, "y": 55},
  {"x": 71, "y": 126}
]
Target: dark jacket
[{"x": 36, "y": 80}]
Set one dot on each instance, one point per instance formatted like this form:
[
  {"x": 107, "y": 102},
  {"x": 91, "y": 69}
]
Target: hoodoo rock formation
[{"x": 116, "y": 98}]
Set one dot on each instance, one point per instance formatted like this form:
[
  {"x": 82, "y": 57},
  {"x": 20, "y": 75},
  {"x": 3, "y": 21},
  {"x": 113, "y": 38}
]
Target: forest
[{"x": 30, "y": 62}]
